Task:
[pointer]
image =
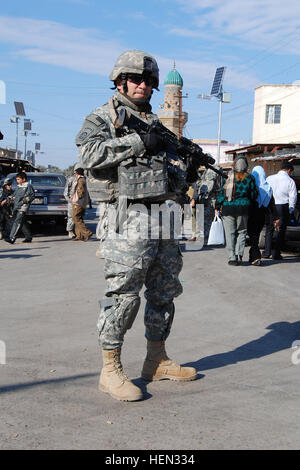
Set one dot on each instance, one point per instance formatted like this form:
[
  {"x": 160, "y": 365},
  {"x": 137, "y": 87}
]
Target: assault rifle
[{"x": 189, "y": 152}]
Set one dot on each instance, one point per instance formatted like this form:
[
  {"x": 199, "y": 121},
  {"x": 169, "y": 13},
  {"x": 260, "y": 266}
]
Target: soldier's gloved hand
[
  {"x": 153, "y": 142},
  {"x": 210, "y": 159}
]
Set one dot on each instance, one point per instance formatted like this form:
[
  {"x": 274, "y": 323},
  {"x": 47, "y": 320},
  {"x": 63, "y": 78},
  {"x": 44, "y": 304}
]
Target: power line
[
  {"x": 228, "y": 115},
  {"x": 294, "y": 33},
  {"x": 58, "y": 86},
  {"x": 282, "y": 44}
]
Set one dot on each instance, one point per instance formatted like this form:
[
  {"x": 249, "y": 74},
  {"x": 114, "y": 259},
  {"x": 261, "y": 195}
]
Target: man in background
[
  {"x": 6, "y": 206},
  {"x": 79, "y": 198},
  {"x": 285, "y": 197},
  {"x": 22, "y": 197}
]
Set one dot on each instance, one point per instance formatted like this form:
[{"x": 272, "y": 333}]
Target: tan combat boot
[
  {"x": 159, "y": 366},
  {"x": 114, "y": 381}
]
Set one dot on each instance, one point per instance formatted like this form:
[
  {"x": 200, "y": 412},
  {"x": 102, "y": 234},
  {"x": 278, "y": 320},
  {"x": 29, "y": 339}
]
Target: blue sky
[{"x": 56, "y": 55}]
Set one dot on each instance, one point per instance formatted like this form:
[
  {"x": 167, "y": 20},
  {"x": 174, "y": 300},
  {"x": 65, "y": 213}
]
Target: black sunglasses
[{"x": 138, "y": 79}]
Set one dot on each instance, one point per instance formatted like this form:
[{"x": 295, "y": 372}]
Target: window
[
  {"x": 47, "y": 180},
  {"x": 273, "y": 113},
  {"x": 42, "y": 180}
]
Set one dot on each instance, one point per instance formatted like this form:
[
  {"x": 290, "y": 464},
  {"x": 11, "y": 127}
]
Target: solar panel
[
  {"x": 19, "y": 107},
  {"x": 218, "y": 80}
]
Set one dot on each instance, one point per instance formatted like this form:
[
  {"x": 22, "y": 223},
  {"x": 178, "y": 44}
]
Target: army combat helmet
[
  {"x": 136, "y": 62},
  {"x": 7, "y": 182}
]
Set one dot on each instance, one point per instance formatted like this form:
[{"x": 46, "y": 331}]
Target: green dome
[{"x": 174, "y": 78}]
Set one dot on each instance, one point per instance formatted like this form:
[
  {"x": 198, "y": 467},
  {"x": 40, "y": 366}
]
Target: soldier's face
[{"x": 137, "y": 91}]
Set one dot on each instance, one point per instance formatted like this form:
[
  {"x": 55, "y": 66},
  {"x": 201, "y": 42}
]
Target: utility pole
[
  {"x": 217, "y": 92},
  {"x": 20, "y": 111},
  {"x": 25, "y": 132}
]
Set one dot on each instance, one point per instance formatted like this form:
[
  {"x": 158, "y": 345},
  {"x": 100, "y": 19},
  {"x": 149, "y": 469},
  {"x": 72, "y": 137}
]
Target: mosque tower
[{"x": 171, "y": 114}]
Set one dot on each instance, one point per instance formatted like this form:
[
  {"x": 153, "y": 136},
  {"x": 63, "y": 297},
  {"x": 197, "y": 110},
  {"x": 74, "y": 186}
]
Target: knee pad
[{"x": 117, "y": 314}]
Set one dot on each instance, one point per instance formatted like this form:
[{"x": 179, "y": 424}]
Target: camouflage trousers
[
  {"x": 208, "y": 212},
  {"x": 130, "y": 264},
  {"x": 70, "y": 224}
]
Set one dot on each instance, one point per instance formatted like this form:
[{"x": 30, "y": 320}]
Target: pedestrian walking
[
  {"x": 257, "y": 213},
  {"x": 79, "y": 198},
  {"x": 235, "y": 197},
  {"x": 285, "y": 198},
  {"x": 22, "y": 197}
]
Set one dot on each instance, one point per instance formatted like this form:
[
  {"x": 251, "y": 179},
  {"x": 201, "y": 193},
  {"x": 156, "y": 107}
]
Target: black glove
[
  {"x": 210, "y": 159},
  {"x": 153, "y": 142}
]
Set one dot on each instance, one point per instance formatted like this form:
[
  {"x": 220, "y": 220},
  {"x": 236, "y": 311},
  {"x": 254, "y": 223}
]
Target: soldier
[
  {"x": 6, "y": 206},
  {"x": 205, "y": 192},
  {"x": 105, "y": 150},
  {"x": 67, "y": 194}
]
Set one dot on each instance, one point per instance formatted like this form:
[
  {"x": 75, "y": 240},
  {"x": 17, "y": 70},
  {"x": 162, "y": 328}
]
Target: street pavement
[{"x": 236, "y": 325}]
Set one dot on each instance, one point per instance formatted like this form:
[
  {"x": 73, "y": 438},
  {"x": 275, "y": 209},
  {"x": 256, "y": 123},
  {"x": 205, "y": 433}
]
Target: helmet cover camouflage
[
  {"x": 135, "y": 61},
  {"x": 7, "y": 181}
]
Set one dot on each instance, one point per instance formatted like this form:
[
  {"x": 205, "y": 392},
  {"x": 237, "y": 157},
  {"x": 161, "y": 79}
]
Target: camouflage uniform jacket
[
  {"x": 207, "y": 186},
  {"x": 102, "y": 146},
  {"x": 68, "y": 187}
]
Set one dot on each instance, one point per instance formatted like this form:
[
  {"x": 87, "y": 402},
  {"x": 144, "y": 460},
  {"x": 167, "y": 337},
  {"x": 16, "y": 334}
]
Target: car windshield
[
  {"x": 47, "y": 180},
  {"x": 43, "y": 180}
]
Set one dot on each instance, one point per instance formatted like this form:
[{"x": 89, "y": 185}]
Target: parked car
[{"x": 49, "y": 204}]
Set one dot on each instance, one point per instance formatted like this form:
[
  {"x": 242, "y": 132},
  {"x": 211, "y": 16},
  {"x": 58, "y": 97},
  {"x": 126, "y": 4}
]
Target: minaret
[{"x": 171, "y": 115}]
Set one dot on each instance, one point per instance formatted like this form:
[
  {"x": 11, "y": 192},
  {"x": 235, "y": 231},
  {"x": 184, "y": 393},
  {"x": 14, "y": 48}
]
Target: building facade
[
  {"x": 276, "y": 114},
  {"x": 211, "y": 146}
]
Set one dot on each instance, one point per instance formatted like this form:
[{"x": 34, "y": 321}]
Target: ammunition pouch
[
  {"x": 153, "y": 178},
  {"x": 144, "y": 178},
  {"x": 102, "y": 185}
]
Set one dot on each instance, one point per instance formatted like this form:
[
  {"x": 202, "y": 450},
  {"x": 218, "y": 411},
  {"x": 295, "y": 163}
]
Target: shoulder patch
[
  {"x": 95, "y": 119},
  {"x": 84, "y": 133},
  {"x": 91, "y": 124}
]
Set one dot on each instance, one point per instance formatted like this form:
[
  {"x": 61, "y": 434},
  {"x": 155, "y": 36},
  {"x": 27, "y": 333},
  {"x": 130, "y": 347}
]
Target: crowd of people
[
  {"x": 246, "y": 202},
  {"x": 14, "y": 206}
]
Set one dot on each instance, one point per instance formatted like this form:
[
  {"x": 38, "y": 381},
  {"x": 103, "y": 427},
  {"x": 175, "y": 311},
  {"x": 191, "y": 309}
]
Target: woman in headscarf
[
  {"x": 257, "y": 213},
  {"x": 234, "y": 200}
]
